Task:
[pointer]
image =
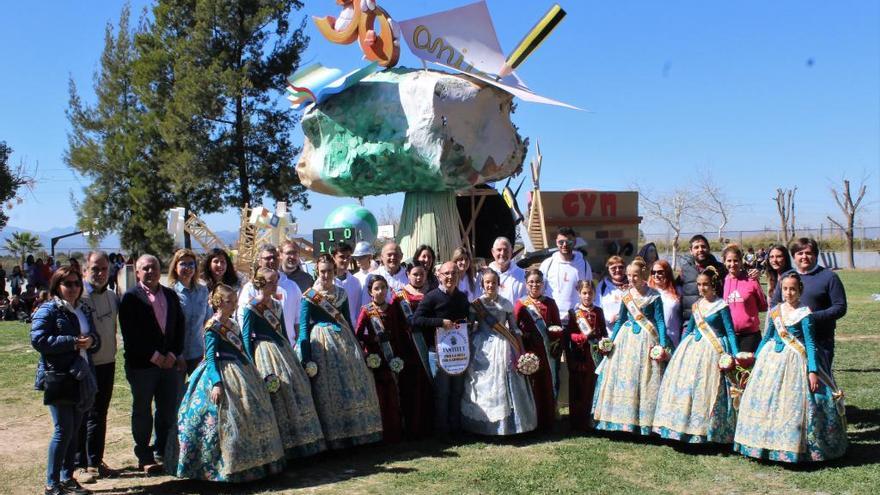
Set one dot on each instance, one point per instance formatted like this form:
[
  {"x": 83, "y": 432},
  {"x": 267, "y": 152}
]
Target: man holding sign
[{"x": 441, "y": 318}]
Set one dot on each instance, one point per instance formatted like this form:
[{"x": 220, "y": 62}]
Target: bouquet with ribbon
[
  {"x": 605, "y": 346},
  {"x": 738, "y": 374}
]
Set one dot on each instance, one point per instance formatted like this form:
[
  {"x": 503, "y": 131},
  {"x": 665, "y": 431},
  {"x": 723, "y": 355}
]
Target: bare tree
[
  {"x": 714, "y": 207},
  {"x": 673, "y": 209},
  {"x": 849, "y": 208},
  {"x": 785, "y": 207},
  {"x": 389, "y": 216}
]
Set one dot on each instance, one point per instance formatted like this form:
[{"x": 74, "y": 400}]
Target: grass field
[{"x": 557, "y": 463}]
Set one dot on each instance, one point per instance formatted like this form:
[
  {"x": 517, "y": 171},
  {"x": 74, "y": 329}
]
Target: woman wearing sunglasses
[
  {"x": 63, "y": 333},
  {"x": 194, "y": 303},
  {"x": 662, "y": 280}
]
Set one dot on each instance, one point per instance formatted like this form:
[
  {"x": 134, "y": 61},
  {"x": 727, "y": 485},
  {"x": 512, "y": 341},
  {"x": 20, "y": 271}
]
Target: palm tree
[{"x": 22, "y": 243}]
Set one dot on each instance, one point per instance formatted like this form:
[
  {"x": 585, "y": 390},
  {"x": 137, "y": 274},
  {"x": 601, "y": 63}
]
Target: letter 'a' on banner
[
  {"x": 464, "y": 40},
  {"x": 453, "y": 348}
]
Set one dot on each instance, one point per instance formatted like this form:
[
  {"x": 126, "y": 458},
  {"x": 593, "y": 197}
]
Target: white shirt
[
  {"x": 353, "y": 290},
  {"x": 561, "y": 278},
  {"x": 395, "y": 282},
  {"x": 610, "y": 303},
  {"x": 290, "y": 297},
  {"x": 512, "y": 283},
  {"x": 465, "y": 287}
]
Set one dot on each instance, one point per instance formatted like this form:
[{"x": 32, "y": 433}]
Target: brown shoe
[
  {"x": 86, "y": 476},
  {"x": 150, "y": 469}
]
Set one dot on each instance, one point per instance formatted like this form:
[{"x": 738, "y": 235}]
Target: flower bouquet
[
  {"x": 311, "y": 369},
  {"x": 528, "y": 363},
  {"x": 373, "y": 361},
  {"x": 726, "y": 362},
  {"x": 658, "y": 353},
  {"x": 605, "y": 346},
  {"x": 272, "y": 383},
  {"x": 738, "y": 375},
  {"x": 554, "y": 329},
  {"x": 396, "y": 365}
]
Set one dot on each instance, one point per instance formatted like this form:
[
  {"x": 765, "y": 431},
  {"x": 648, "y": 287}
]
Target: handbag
[{"x": 61, "y": 387}]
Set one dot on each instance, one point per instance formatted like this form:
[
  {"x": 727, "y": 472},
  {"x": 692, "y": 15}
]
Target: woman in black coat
[{"x": 63, "y": 333}]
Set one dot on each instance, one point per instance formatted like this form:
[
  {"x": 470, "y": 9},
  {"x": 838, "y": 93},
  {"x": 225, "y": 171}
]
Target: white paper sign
[{"x": 453, "y": 348}]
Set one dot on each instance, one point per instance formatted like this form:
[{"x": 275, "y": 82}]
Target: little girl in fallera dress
[
  {"x": 226, "y": 425},
  {"x": 586, "y": 326},
  {"x": 792, "y": 409},
  {"x": 381, "y": 327},
  {"x": 629, "y": 378},
  {"x": 694, "y": 404},
  {"x": 497, "y": 399},
  {"x": 266, "y": 342}
]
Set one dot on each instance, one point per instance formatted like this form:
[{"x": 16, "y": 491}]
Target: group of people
[
  {"x": 232, "y": 376},
  {"x": 28, "y": 285}
]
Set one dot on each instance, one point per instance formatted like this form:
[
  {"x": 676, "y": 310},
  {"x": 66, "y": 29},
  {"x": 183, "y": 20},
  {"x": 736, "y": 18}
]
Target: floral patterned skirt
[
  {"x": 344, "y": 389},
  {"x": 294, "y": 408},
  {"x": 781, "y": 420},
  {"x": 628, "y": 383},
  {"x": 236, "y": 440},
  {"x": 694, "y": 405}
]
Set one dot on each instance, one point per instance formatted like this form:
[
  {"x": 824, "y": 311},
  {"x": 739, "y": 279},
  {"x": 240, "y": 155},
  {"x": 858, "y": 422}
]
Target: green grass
[{"x": 557, "y": 463}]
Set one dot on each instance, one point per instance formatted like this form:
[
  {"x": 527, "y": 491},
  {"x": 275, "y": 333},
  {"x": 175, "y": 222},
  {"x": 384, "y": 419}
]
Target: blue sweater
[{"x": 824, "y": 295}]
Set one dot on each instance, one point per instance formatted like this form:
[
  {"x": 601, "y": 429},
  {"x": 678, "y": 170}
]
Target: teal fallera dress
[
  {"x": 694, "y": 404},
  {"x": 779, "y": 418},
  {"x": 236, "y": 440}
]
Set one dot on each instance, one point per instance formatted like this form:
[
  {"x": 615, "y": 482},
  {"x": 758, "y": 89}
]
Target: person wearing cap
[{"x": 363, "y": 256}]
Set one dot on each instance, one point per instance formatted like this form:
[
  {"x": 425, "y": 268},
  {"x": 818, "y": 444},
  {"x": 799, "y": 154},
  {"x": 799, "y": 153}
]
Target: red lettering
[
  {"x": 570, "y": 204},
  {"x": 609, "y": 205},
  {"x": 589, "y": 201}
]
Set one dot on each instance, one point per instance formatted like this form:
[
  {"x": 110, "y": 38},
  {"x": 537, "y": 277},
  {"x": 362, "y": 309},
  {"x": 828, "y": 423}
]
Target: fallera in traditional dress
[
  {"x": 629, "y": 380},
  {"x": 497, "y": 399},
  {"x": 236, "y": 440},
  {"x": 694, "y": 404},
  {"x": 265, "y": 340},
  {"x": 534, "y": 318},
  {"x": 779, "y": 418},
  {"x": 416, "y": 391},
  {"x": 379, "y": 331},
  {"x": 581, "y": 358},
  {"x": 344, "y": 389}
]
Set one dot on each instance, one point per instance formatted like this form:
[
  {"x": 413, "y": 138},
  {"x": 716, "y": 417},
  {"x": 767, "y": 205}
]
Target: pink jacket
[{"x": 746, "y": 299}]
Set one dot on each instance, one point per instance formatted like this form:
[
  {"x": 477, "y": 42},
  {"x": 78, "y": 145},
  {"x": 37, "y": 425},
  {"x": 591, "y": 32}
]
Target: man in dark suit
[{"x": 152, "y": 326}]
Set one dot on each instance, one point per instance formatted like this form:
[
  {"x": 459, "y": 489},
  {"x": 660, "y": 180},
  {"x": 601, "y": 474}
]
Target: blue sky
[{"x": 766, "y": 94}]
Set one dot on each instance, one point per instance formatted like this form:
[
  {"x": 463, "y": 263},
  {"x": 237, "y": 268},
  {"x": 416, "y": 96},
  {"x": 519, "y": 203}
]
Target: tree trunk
[
  {"x": 243, "y": 182},
  {"x": 850, "y": 242}
]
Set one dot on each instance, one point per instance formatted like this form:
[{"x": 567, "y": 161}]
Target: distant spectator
[
  {"x": 42, "y": 296},
  {"x": 74, "y": 263},
  {"x": 15, "y": 311},
  {"x": 823, "y": 293},
  {"x": 45, "y": 274},
  {"x": 2, "y": 279},
  {"x": 16, "y": 280},
  {"x": 28, "y": 298}
]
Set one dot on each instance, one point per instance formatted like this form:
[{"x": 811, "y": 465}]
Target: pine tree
[
  {"x": 110, "y": 143},
  {"x": 211, "y": 74}
]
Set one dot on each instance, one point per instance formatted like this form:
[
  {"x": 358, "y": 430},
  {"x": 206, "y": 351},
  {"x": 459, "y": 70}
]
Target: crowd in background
[{"x": 280, "y": 364}]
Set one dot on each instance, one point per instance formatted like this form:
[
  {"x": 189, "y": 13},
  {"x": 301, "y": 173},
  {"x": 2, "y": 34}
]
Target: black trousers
[
  {"x": 748, "y": 342},
  {"x": 147, "y": 386},
  {"x": 93, "y": 432}
]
